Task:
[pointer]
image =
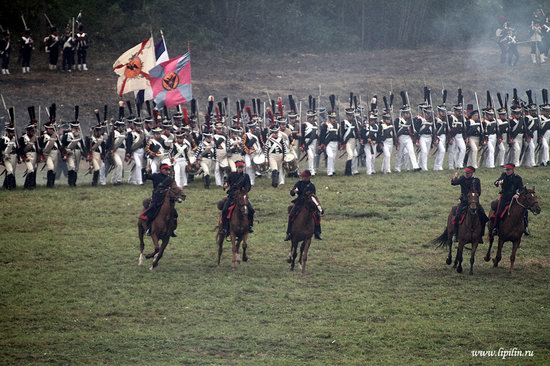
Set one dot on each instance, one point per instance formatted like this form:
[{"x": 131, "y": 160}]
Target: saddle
[
  {"x": 494, "y": 206},
  {"x": 461, "y": 219}
]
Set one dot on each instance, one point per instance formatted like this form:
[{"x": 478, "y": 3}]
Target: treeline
[{"x": 276, "y": 25}]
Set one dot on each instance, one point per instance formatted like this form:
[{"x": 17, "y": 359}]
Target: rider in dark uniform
[
  {"x": 303, "y": 187},
  {"x": 161, "y": 181},
  {"x": 468, "y": 183},
  {"x": 235, "y": 182},
  {"x": 510, "y": 184}
]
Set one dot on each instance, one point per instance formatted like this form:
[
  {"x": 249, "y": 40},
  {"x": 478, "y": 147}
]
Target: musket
[
  {"x": 480, "y": 159},
  {"x": 48, "y": 19},
  {"x": 539, "y": 138},
  {"x": 24, "y": 23}
]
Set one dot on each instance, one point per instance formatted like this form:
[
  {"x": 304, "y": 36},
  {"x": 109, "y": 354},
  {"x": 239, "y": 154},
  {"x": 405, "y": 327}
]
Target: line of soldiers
[
  {"x": 271, "y": 139},
  {"x": 68, "y": 44}
]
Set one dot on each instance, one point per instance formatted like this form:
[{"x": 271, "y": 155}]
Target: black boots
[
  {"x": 317, "y": 232},
  {"x": 347, "y": 172},
  {"x": 95, "y": 178},
  {"x": 72, "y": 177},
  {"x": 207, "y": 181},
  {"x": 9, "y": 182},
  {"x": 30, "y": 181},
  {"x": 50, "y": 179},
  {"x": 274, "y": 178}
]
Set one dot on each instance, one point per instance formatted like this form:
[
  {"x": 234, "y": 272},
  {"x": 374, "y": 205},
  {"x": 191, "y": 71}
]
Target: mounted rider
[
  {"x": 510, "y": 184},
  {"x": 161, "y": 182},
  {"x": 468, "y": 183},
  {"x": 237, "y": 181},
  {"x": 303, "y": 188}
]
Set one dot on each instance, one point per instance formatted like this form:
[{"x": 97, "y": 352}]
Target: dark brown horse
[
  {"x": 238, "y": 229},
  {"x": 162, "y": 225},
  {"x": 302, "y": 230},
  {"x": 469, "y": 231},
  {"x": 511, "y": 226}
]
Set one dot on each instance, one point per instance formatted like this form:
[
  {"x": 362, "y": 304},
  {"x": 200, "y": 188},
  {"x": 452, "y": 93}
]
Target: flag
[
  {"x": 171, "y": 81},
  {"x": 132, "y": 67},
  {"x": 161, "y": 55}
]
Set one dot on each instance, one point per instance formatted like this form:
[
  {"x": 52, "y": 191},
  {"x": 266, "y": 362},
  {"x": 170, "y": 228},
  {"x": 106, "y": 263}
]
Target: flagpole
[{"x": 164, "y": 42}]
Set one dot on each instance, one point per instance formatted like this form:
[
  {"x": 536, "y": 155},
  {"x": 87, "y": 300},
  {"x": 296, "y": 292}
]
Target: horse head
[
  {"x": 473, "y": 202},
  {"x": 528, "y": 199},
  {"x": 175, "y": 193},
  {"x": 241, "y": 199}
]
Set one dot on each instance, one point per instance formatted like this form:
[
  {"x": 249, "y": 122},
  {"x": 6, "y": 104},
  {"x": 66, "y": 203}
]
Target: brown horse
[
  {"x": 511, "y": 226},
  {"x": 238, "y": 229},
  {"x": 469, "y": 231},
  {"x": 162, "y": 225},
  {"x": 302, "y": 230}
]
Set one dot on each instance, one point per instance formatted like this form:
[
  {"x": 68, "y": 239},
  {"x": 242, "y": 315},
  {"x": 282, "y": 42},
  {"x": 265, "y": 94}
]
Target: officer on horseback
[
  {"x": 468, "y": 183},
  {"x": 235, "y": 182},
  {"x": 510, "y": 184},
  {"x": 161, "y": 182},
  {"x": 303, "y": 187}
]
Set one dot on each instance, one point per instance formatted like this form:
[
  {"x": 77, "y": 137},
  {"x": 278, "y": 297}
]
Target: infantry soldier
[
  {"x": 275, "y": 150},
  {"x": 8, "y": 152},
  {"x": 206, "y": 155},
  {"x": 474, "y": 135},
  {"x": 237, "y": 181},
  {"x": 235, "y": 148},
  {"x": 5, "y": 50},
  {"x": 154, "y": 149},
  {"x": 457, "y": 151},
  {"x": 424, "y": 130},
  {"x": 27, "y": 44},
  {"x": 515, "y": 135},
  {"x": 50, "y": 145},
  {"x": 117, "y": 146},
  {"x": 348, "y": 138},
  {"x": 135, "y": 143},
  {"x": 29, "y": 151},
  {"x": 370, "y": 137},
  {"x": 544, "y": 132},
  {"x": 405, "y": 134},
  {"x": 308, "y": 135},
  {"x": 387, "y": 137},
  {"x": 502, "y": 133},
  {"x": 531, "y": 132},
  {"x": 468, "y": 183},
  {"x": 180, "y": 154},
  {"x": 69, "y": 45},
  {"x": 82, "y": 44},
  {"x": 52, "y": 43},
  {"x": 329, "y": 137},
  {"x": 96, "y": 148},
  {"x": 490, "y": 128},
  {"x": 440, "y": 135},
  {"x": 73, "y": 144},
  {"x": 302, "y": 188},
  {"x": 251, "y": 147},
  {"x": 221, "y": 146}
]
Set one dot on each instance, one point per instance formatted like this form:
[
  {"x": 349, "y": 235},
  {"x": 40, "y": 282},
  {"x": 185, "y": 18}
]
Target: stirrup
[
  {"x": 148, "y": 232},
  {"x": 317, "y": 236}
]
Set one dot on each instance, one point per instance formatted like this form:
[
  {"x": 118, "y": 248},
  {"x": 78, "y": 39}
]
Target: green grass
[{"x": 376, "y": 292}]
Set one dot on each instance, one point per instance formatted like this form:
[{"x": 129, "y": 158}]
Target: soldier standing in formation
[
  {"x": 27, "y": 45},
  {"x": 5, "y": 50}
]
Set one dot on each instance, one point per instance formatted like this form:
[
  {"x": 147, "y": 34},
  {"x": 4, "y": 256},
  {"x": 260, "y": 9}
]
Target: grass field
[{"x": 376, "y": 292}]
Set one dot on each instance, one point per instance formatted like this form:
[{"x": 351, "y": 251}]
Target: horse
[
  {"x": 162, "y": 225},
  {"x": 511, "y": 226},
  {"x": 238, "y": 229},
  {"x": 302, "y": 229},
  {"x": 469, "y": 231}
]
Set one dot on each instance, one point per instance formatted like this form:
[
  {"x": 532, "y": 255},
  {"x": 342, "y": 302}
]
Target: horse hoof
[
  {"x": 288, "y": 260},
  {"x": 495, "y": 263},
  {"x": 449, "y": 261},
  {"x": 471, "y": 272},
  {"x": 245, "y": 259},
  {"x": 486, "y": 259},
  {"x": 459, "y": 269},
  {"x": 141, "y": 259}
]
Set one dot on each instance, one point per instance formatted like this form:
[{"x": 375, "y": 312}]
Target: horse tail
[{"x": 442, "y": 240}]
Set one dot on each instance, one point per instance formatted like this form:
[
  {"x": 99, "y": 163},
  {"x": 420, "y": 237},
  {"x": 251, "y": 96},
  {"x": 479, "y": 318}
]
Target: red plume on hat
[
  {"x": 280, "y": 107},
  {"x": 249, "y": 112},
  {"x": 185, "y": 116}
]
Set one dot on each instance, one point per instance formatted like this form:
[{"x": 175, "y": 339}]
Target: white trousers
[
  {"x": 490, "y": 152},
  {"x": 249, "y": 167},
  {"x": 406, "y": 153},
  {"x": 332, "y": 150},
  {"x": 386, "y": 162},
  {"x": 370, "y": 156},
  {"x": 440, "y": 153},
  {"x": 118, "y": 158},
  {"x": 311, "y": 152},
  {"x": 276, "y": 163},
  {"x": 180, "y": 175},
  {"x": 544, "y": 150},
  {"x": 457, "y": 153},
  {"x": 473, "y": 142},
  {"x": 135, "y": 176},
  {"x": 501, "y": 150},
  {"x": 529, "y": 153},
  {"x": 516, "y": 150},
  {"x": 425, "y": 144}
]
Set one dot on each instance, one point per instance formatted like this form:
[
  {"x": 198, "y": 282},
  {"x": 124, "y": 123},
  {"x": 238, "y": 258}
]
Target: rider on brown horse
[
  {"x": 510, "y": 184},
  {"x": 161, "y": 182},
  {"x": 303, "y": 187},
  {"x": 237, "y": 181},
  {"x": 468, "y": 183}
]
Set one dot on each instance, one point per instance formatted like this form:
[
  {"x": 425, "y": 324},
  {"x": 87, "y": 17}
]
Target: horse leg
[
  {"x": 220, "y": 238},
  {"x": 158, "y": 256},
  {"x": 487, "y": 257},
  {"x": 294, "y": 253},
  {"x": 499, "y": 252},
  {"x": 234, "y": 252},
  {"x": 153, "y": 255},
  {"x": 472, "y": 258},
  {"x": 450, "y": 255},
  {"x": 239, "y": 240},
  {"x": 459, "y": 255},
  {"x": 301, "y": 253},
  {"x": 305, "y": 249},
  {"x": 141, "y": 232},
  {"x": 515, "y": 247},
  {"x": 245, "y": 245}
]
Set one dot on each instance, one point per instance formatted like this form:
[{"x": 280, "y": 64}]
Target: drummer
[
  {"x": 253, "y": 150},
  {"x": 291, "y": 156}
]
